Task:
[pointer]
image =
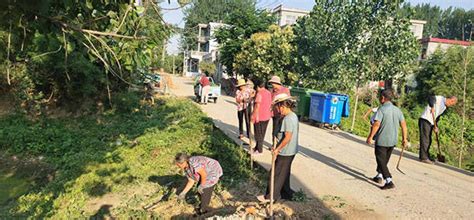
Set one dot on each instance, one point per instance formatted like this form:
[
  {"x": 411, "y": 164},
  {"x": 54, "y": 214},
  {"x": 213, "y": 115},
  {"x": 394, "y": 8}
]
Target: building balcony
[
  {"x": 198, "y": 54},
  {"x": 203, "y": 39}
]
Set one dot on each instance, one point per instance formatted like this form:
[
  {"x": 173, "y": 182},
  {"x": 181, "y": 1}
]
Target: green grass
[
  {"x": 11, "y": 187},
  {"x": 127, "y": 153}
]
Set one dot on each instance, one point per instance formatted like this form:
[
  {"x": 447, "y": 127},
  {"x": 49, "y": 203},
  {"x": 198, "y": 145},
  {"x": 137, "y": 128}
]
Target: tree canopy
[
  {"x": 451, "y": 23},
  {"x": 203, "y": 12},
  {"x": 342, "y": 45},
  {"x": 244, "y": 23},
  {"x": 266, "y": 54},
  {"x": 71, "y": 50}
]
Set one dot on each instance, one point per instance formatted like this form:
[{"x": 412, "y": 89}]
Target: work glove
[{"x": 200, "y": 189}]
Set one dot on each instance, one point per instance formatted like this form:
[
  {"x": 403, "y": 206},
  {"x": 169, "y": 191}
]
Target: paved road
[{"x": 338, "y": 166}]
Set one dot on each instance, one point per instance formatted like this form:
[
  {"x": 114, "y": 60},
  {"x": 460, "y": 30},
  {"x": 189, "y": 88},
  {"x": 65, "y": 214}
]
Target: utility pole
[
  {"x": 163, "y": 56},
  {"x": 185, "y": 67},
  {"x": 173, "y": 63}
]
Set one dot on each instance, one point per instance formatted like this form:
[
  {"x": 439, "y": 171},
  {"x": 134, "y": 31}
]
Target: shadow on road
[
  {"x": 231, "y": 102},
  {"x": 397, "y": 151},
  {"x": 331, "y": 162}
]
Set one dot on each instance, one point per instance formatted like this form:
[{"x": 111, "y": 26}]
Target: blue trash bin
[{"x": 328, "y": 108}]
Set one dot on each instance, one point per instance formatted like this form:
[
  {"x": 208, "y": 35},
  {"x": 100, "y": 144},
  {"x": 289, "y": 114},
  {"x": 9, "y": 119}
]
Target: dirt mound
[{"x": 239, "y": 203}]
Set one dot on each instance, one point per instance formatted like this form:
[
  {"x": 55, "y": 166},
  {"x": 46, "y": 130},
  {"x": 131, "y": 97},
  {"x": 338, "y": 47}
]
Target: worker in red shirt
[
  {"x": 205, "y": 88},
  {"x": 277, "y": 88}
]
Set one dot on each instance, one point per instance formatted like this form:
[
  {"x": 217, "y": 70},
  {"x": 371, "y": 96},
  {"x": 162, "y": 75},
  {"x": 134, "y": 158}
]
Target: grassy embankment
[{"x": 106, "y": 164}]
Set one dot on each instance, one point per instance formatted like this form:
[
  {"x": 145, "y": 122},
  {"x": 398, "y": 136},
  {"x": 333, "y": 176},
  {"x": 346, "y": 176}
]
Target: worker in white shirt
[{"x": 428, "y": 123}]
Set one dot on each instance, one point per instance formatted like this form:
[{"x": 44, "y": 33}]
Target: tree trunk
[
  {"x": 402, "y": 93},
  {"x": 173, "y": 64},
  {"x": 8, "y": 54},
  {"x": 466, "y": 62},
  {"x": 163, "y": 52},
  {"x": 355, "y": 107},
  {"x": 109, "y": 95}
]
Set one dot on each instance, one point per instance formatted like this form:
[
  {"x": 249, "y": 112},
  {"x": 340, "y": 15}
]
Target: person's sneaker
[
  {"x": 377, "y": 180},
  {"x": 256, "y": 153},
  {"x": 389, "y": 185},
  {"x": 261, "y": 198},
  {"x": 426, "y": 161}
]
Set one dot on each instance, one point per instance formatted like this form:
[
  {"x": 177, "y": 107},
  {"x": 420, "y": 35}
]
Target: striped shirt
[{"x": 212, "y": 167}]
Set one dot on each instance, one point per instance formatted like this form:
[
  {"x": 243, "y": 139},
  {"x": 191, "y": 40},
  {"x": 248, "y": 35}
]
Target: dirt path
[{"x": 336, "y": 167}]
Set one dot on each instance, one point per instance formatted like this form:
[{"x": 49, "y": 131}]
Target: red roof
[{"x": 446, "y": 41}]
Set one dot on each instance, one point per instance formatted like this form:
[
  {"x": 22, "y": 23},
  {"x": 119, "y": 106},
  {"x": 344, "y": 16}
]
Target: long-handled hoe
[
  {"x": 272, "y": 177},
  {"x": 400, "y": 158}
]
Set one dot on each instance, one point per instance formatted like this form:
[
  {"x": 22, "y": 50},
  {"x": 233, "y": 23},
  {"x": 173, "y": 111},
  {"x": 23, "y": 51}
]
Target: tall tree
[
  {"x": 268, "y": 53},
  {"x": 451, "y": 23},
  {"x": 76, "y": 49},
  {"x": 343, "y": 45},
  {"x": 244, "y": 23},
  {"x": 205, "y": 11}
]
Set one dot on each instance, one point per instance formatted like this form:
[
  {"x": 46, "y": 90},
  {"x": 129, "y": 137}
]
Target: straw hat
[
  {"x": 241, "y": 82},
  {"x": 280, "y": 98},
  {"x": 275, "y": 79}
]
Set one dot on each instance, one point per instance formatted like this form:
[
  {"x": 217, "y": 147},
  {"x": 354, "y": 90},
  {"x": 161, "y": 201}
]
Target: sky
[{"x": 176, "y": 16}]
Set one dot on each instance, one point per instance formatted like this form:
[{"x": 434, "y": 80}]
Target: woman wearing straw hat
[
  {"x": 243, "y": 97},
  {"x": 285, "y": 150}
]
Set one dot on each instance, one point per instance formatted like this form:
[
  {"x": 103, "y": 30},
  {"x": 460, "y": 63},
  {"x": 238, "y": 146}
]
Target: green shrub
[{"x": 126, "y": 102}]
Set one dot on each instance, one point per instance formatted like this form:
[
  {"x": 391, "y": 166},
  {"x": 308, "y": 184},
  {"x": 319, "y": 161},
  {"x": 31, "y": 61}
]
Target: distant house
[
  {"x": 205, "y": 50},
  {"x": 431, "y": 44},
  {"x": 416, "y": 28},
  {"x": 287, "y": 16}
]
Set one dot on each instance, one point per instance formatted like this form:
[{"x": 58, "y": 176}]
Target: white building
[
  {"x": 431, "y": 44},
  {"x": 288, "y": 16},
  {"x": 417, "y": 28},
  {"x": 205, "y": 50}
]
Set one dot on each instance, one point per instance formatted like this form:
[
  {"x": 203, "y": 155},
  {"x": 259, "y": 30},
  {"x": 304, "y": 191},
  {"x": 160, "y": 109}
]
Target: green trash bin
[{"x": 303, "y": 98}]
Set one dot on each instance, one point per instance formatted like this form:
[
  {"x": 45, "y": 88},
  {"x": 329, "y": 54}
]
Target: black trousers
[
  {"x": 244, "y": 114},
  {"x": 260, "y": 131},
  {"x": 281, "y": 189},
  {"x": 277, "y": 120},
  {"x": 205, "y": 198},
  {"x": 426, "y": 130},
  {"x": 382, "y": 156}
]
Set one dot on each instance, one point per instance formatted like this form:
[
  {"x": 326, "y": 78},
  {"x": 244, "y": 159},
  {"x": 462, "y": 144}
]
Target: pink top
[
  {"x": 264, "y": 98},
  {"x": 276, "y": 92},
  {"x": 282, "y": 90},
  {"x": 244, "y": 95},
  {"x": 204, "y": 81}
]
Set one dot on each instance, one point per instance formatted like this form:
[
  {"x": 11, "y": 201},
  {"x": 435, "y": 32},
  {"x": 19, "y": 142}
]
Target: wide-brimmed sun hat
[
  {"x": 275, "y": 79},
  {"x": 241, "y": 82},
  {"x": 280, "y": 98}
]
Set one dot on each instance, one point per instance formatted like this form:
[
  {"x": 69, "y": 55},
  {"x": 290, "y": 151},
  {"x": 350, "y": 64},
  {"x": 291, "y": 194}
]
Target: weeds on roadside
[{"x": 126, "y": 152}]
